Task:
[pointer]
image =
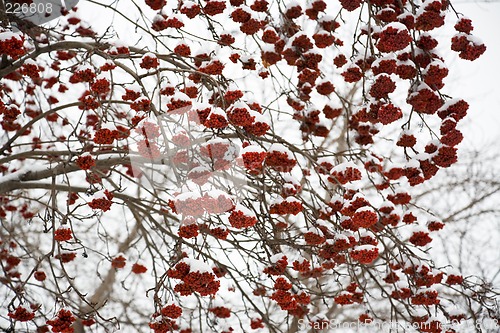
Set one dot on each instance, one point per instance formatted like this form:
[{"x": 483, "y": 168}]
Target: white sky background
[{"x": 477, "y": 82}]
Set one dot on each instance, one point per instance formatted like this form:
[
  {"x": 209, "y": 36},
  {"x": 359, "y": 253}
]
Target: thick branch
[{"x": 14, "y": 181}]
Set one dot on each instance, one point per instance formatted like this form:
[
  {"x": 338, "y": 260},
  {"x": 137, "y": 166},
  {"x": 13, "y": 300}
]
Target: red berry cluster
[
  {"x": 82, "y": 75},
  {"x": 40, "y": 275},
  {"x": 278, "y": 268},
  {"x": 406, "y": 140},
  {"x": 120, "y": 49},
  {"x": 434, "y": 74},
  {"x": 119, "y": 262},
  {"x": 258, "y": 128},
  {"x": 364, "y": 255},
  {"x": 214, "y": 7},
  {"x": 182, "y": 50},
  {"x": 100, "y": 87},
  {"x": 240, "y": 220},
  {"x": 141, "y": 104},
  {"x": 163, "y": 321},
  {"x": 345, "y": 175},
  {"x": 429, "y": 297},
  {"x": 468, "y": 47},
  {"x": 103, "y": 203},
  {"x": 256, "y": 324},
  {"x": 191, "y": 10},
  {"x": 156, "y": 4},
  {"x": 216, "y": 120},
  {"x": 285, "y": 207},
  {"x": 431, "y": 17},
  {"x": 253, "y": 160},
  {"x": 199, "y": 205},
  {"x": 364, "y": 218},
  {"x": 330, "y": 112},
  {"x": 11, "y": 260},
  {"x": 218, "y": 232},
  {"x": 63, "y": 234},
  {"x": 31, "y": 70},
  {"x": 350, "y": 5},
  {"x": 325, "y": 88},
  {"x": 350, "y": 296},
  {"x": 324, "y": 39},
  {"x": 280, "y": 161},
  {"x": 454, "y": 279},
  {"x": 287, "y": 300},
  {"x": 382, "y": 87},
  {"x": 331, "y": 250},
  {"x": 220, "y": 311},
  {"x": 21, "y": 314},
  {"x": 85, "y": 161},
  {"x": 420, "y": 238},
  {"x": 226, "y": 39},
  {"x": 401, "y": 198},
  {"x": 10, "y": 115},
  {"x": 394, "y": 37},
  {"x": 105, "y": 136},
  {"x": 214, "y": 67},
  {"x": 149, "y": 61},
  {"x": 88, "y": 102},
  {"x": 139, "y": 269},
  {"x": 171, "y": 311},
  {"x": 301, "y": 266},
  {"x": 239, "y": 115},
  {"x": 13, "y": 46},
  {"x": 63, "y": 322},
  {"x": 423, "y": 276},
  {"x": 163, "y": 22},
  {"x": 188, "y": 231},
  {"x": 312, "y": 238},
  {"x": 403, "y": 293},
  {"x": 435, "y": 226},
  {"x": 66, "y": 257},
  {"x": 352, "y": 74},
  {"x": 131, "y": 95},
  {"x": 203, "y": 283},
  {"x": 445, "y": 156}
]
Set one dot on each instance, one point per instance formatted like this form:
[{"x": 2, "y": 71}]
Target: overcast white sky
[{"x": 477, "y": 82}]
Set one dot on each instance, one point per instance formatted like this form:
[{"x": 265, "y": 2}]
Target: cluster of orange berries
[{"x": 203, "y": 283}]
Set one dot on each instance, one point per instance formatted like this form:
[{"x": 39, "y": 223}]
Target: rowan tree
[{"x": 228, "y": 166}]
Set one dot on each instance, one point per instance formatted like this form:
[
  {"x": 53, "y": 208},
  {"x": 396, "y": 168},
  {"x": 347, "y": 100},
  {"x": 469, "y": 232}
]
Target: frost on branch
[{"x": 256, "y": 162}]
